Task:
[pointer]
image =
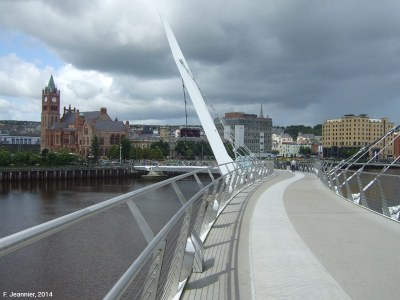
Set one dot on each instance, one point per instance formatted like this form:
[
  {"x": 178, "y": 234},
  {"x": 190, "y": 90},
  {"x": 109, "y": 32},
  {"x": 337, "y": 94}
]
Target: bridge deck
[{"x": 289, "y": 237}]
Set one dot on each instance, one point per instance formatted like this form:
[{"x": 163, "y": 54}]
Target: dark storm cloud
[
  {"x": 124, "y": 60},
  {"x": 317, "y": 59}
]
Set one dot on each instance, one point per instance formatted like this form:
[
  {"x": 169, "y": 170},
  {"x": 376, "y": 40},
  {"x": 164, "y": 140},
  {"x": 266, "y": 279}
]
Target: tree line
[
  {"x": 294, "y": 130},
  {"x": 45, "y": 158},
  {"x": 125, "y": 151}
]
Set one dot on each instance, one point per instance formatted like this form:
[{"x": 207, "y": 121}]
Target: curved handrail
[
  {"x": 378, "y": 191},
  {"x": 166, "y": 263}
]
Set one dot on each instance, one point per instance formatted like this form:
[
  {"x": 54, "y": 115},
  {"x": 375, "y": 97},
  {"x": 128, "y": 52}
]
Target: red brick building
[{"x": 74, "y": 130}]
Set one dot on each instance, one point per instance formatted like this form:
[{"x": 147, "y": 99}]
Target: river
[{"x": 85, "y": 260}]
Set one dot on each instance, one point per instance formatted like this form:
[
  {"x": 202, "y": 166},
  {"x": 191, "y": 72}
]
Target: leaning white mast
[{"x": 214, "y": 139}]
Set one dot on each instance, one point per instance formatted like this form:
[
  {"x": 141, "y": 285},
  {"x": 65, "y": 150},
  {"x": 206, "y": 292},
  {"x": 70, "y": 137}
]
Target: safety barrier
[
  {"x": 171, "y": 255},
  {"x": 376, "y": 190}
]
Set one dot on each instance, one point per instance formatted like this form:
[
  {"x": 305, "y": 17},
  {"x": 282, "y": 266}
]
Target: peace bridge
[
  {"x": 254, "y": 231},
  {"x": 322, "y": 232}
]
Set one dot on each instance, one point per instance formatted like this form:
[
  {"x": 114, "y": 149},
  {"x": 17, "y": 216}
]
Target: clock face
[
  {"x": 45, "y": 99},
  {"x": 54, "y": 99}
]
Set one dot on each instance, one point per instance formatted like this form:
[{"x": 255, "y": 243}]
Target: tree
[
  {"x": 51, "y": 159},
  {"x": 275, "y": 152},
  {"x": 306, "y": 151},
  {"x": 5, "y": 157},
  {"x": 125, "y": 148},
  {"x": 156, "y": 154},
  {"x": 190, "y": 149},
  {"x": 163, "y": 146},
  {"x": 34, "y": 159},
  {"x": 64, "y": 157},
  {"x": 114, "y": 152},
  {"x": 44, "y": 153},
  {"x": 181, "y": 148},
  {"x": 136, "y": 153},
  {"x": 189, "y": 154},
  {"x": 347, "y": 152},
  {"x": 318, "y": 129},
  {"x": 293, "y": 130},
  {"x": 20, "y": 158},
  {"x": 205, "y": 149},
  {"x": 95, "y": 148}
]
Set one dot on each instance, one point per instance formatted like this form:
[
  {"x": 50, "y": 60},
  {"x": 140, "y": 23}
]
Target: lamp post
[{"x": 120, "y": 152}]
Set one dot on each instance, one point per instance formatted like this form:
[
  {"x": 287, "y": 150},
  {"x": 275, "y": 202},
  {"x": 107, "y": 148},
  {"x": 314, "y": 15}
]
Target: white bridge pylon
[{"x": 207, "y": 122}]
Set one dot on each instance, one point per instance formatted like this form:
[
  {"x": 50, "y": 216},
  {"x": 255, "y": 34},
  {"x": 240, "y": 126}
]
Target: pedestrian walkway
[{"x": 290, "y": 238}]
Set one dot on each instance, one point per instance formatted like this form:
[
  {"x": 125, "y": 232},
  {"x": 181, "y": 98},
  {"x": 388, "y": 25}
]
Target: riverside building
[
  {"x": 250, "y": 130},
  {"x": 351, "y": 132},
  {"x": 74, "y": 130}
]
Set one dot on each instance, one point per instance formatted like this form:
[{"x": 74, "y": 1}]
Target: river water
[{"x": 85, "y": 260}]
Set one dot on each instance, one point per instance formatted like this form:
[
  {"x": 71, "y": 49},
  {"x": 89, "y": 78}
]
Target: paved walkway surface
[{"x": 290, "y": 238}]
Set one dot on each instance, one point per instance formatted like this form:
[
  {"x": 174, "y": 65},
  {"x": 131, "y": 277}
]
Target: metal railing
[
  {"x": 171, "y": 255},
  {"x": 375, "y": 189}
]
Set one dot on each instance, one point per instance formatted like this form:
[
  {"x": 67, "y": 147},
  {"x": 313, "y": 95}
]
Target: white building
[{"x": 19, "y": 139}]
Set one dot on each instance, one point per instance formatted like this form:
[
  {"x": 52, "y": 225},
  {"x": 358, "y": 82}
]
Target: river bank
[{"x": 74, "y": 172}]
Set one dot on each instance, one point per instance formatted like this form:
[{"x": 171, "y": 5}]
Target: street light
[{"x": 120, "y": 152}]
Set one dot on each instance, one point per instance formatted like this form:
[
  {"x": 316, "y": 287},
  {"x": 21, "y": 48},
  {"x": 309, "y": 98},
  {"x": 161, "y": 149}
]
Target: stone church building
[{"x": 74, "y": 130}]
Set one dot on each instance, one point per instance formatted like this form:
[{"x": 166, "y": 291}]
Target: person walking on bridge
[{"x": 293, "y": 165}]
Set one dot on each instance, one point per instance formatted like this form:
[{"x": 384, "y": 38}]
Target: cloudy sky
[{"x": 304, "y": 61}]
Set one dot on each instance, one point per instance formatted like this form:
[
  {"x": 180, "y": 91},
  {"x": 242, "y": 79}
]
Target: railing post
[
  {"x": 211, "y": 212},
  {"x": 140, "y": 220},
  {"x": 221, "y": 192},
  {"x": 228, "y": 187},
  {"x": 348, "y": 190},
  {"x": 363, "y": 199},
  {"x": 338, "y": 187},
  {"x": 330, "y": 181},
  {"x": 235, "y": 182},
  {"x": 198, "y": 181},
  {"x": 385, "y": 208},
  {"x": 242, "y": 178},
  {"x": 189, "y": 251},
  {"x": 178, "y": 192},
  {"x": 198, "y": 263}
]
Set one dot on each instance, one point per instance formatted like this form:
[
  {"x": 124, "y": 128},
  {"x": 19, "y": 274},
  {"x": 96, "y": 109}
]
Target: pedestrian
[{"x": 293, "y": 165}]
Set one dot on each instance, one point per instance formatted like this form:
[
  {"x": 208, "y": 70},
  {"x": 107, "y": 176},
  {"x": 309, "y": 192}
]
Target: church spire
[
  {"x": 51, "y": 86},
  {"x": 261, "y": 112}
]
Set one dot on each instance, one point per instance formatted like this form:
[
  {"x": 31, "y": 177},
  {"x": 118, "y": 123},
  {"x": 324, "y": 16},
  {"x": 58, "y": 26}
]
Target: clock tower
[{"x": 50, "y": 114}]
